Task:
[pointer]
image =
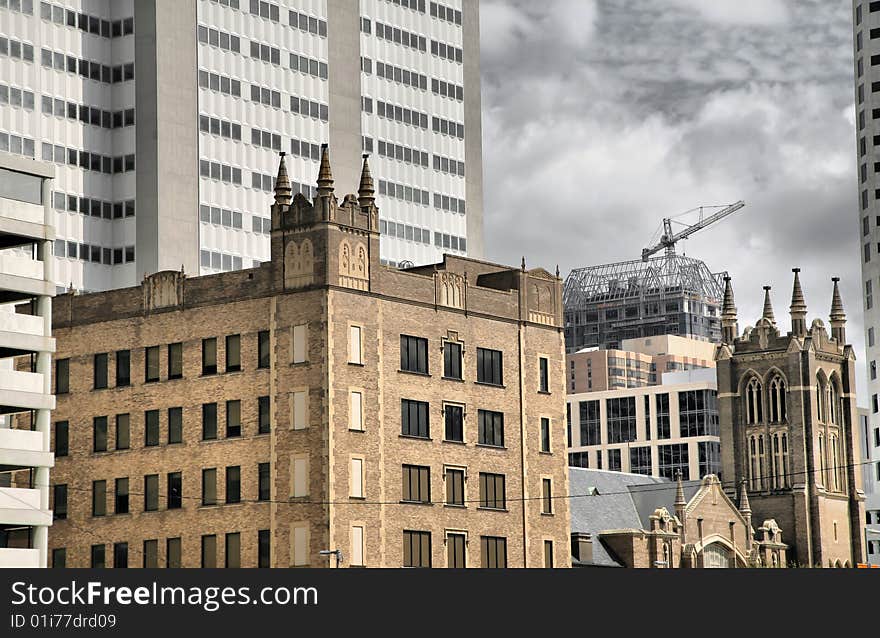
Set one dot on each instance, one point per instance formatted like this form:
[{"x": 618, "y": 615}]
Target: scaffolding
[{"x": 669, "y": 294}]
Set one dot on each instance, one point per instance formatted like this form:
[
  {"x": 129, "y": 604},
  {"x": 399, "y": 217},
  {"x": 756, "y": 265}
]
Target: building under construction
[{"x": 669, "y": 294}]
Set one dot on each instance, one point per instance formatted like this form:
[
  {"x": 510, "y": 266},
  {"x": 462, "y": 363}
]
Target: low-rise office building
[
  {"x": 319, "y": 403},
  {"x": 26, "y": 262},
  {"x": 654, "y": 430}
]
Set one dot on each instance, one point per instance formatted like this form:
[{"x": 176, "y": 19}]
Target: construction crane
[{"x": 668, "y": 239}]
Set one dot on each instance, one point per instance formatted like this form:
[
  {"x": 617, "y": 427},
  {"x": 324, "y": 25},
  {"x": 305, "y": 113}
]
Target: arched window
[
  {"x": 820, "y": 401},
  {"x": 823, "y": 471},
  {"x": 833, "y": 403},
  {"x": 753, "y": 463},
  {"x": 754, "y": 408},
  {"x": 775, "y": 461},
  {"x": 666, "y": 555},
  {"x": 716, "y": 556},
  {"x": 777, "y": 400},
  {"x": 760, "y": 461},
  {"x": 785, "y": 470}
]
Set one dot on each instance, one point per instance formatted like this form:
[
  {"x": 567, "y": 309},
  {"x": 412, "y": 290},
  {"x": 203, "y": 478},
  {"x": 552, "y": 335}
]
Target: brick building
[
  {"x": 788, "y": 419},
  {"x": 319, "y": 402}
]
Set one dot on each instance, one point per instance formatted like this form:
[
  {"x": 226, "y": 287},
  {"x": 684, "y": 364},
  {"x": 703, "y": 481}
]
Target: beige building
[
  {"x": 788, "y": 419},
  {"x": 26, "y": 263},
  {"x": 655, "y": 430},
  {"x": 320, "y": 402},
  {"x": 638, "y": 363}
]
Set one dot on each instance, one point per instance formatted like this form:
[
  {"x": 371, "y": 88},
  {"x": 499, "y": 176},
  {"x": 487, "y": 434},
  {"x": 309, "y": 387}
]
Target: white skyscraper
[
  {"x": 866, "y": 17},
  {"x": 165, "y": 118}
]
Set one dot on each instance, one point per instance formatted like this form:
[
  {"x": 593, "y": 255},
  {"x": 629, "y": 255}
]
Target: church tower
[{"x": 788, "y": 421}]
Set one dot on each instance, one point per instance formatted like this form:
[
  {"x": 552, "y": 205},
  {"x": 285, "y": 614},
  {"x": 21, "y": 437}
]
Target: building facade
[
  {"x": 789, "y": 428},
  {"x": 26, "y": 399},
  {"x": 318, "y": 402},
  {"x": 637, "y": 364},
  {"x": 866, "y": 22},
  {"x": 655, "y": 431},
  {"x": 629, "y": 520},
  {"x": 164, "y": 119}
]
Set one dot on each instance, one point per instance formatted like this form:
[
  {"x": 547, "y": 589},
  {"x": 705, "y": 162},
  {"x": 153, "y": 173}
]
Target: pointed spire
[
  {"x": 798, "y": 307},
  {"x": 768, "y": 307},
  {"x": 283, "y": 191},
  {"x": 728, "y": 314},
  {"x": 366, "y": 190},
  {"x": 325, "y": 175},
  {"x": 680, "y": 505},
  {"x": 838, "y": 315},
  {"x": 524, "y": 263},
  {"x": 744, "y": 505},
  {"x": 679, "y": 490}
]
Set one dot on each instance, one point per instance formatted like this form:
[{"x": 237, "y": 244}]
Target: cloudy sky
[{"x": 601, "y": 117}]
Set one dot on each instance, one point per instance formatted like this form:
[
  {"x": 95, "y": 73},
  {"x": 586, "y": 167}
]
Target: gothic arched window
[
  {"x": 833, "y": 403},
  {"x": 754, "y": 408},
  {"x": 820, "y": 402},
  {"x": 777, "y": 400}
]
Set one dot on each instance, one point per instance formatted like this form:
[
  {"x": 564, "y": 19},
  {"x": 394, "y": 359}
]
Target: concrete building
[
  {"x": 653, "y": 430},
  {"x": 320, "y": 401},
  {"x": 26, "y": 399},
  {"x": 667, "y": 295},
  {"x": 870, "y": 440},
  {"x": 638, "y": 363},
  {"x": 630, "y": 520},
  {"x": 866, "y": 26},
  {"x": 164, "y": 119},
  {"x": 789, "y": 428}
]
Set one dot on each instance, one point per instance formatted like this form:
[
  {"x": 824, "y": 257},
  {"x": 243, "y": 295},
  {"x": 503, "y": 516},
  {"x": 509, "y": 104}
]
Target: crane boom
[{"x": 668, "y": 240}]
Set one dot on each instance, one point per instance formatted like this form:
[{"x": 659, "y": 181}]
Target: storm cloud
[{"x": 601, "y": 117}]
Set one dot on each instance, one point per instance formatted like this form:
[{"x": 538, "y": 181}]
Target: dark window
[
  {"x": 489, "y": 366},
  {"x": 175, "y": 425},
  {"x": 414, "y": 418},
  {"x": 416, "y": 549},
  {"x": 209, "y": 550},
  {"x": 99, "y": 434},
  {"x": 151, "y": 493},
  {"x": 492, "y": 492},
  {"x": 209, "y": 487},
  {"x": 414, "y": 354},
  {"x": 621, "y": 419},
  {"x": 123, "y": 431},
  {"x": 494, "y": 552},
  {"x": 455, "y": 551},
  {"x": 546, "y": 496},
  {"x": 100, "y": 371},
  {"x": 709, "y": 456},
  {"x": 545, "y": 434},
  {"x": 172, "y": 553},
  {"x": 120, "y": 505},
  {"x": 59, "y": 558},
  {"x": 263, "y": 547},
  {"x": 263, "y": 484},
  {"x": 698, "y": 413},
  {"x": 452, "y": 360},
  {"x": 62, "y": 376},
  {"x": 233, "y": 419},
  {"x": 175, "y": 361},
  {"x": 673, "y": 458},
  {"x": 663, "y": 429},
  {"x": 455, "y": 486},
  {"x": 233, "y": 353},
  {"x": 59, "y": 501},
  {"x": 453, "y": 416},
  {"x": 209, "y": 421},
  {"x": 544, "y": 382},
  {"x": 151, "y": 554},
  {"x": 151, "y": 364},
  {"x": 491, "y": 428},
  {"x": 614, "y": 460},
  {"x": 263, "y": 358},
  {"x": 175, "y": 491},
  {"x": 151, "y": 428},
  {"x": 99, "y": 498},
  {"x": 233, "y": 484},
  {"x": 120, "y": 555},
  {"x": 548, "y": 554},
  {"x": 263, "y": 426},
  {"x": 209, "y": 356},
  {"x": 123, "y": 368},
  {"x": 640, "y": 460},
  {"x": 416, "y": 484},
  {"x": 97, "y": 561},
  {"x": 233, "y": 550},
  {"x": 62, "y": 438}
]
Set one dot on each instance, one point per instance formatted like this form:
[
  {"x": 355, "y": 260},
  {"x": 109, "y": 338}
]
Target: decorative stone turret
[
  {"x": 768, "y": 307},
  {"x": 729, "y": 330},
  {"x": 838, "y": 315},
  {"x": 746, "y": 510},
  {"x": 798, "y": 307},
  {"x": 680, "y": 504},
  {"x": 366, "y": 190},
  {"x": 283, "y": 191}
]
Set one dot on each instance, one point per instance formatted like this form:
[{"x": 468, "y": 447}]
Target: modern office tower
[
  {"x": 26, "y": 399},
  {"x": 789, "y": 428},
  {"x": 866, "y": 39},
  {"x": 318, "y": 402},
  {"x": 637, "y": 364},
  {"x": 870, "y": 439},
  {"x": 671, "y": 294},
  {"x": 164, "y": 119},
  {"x": 655, "y": 430}
]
